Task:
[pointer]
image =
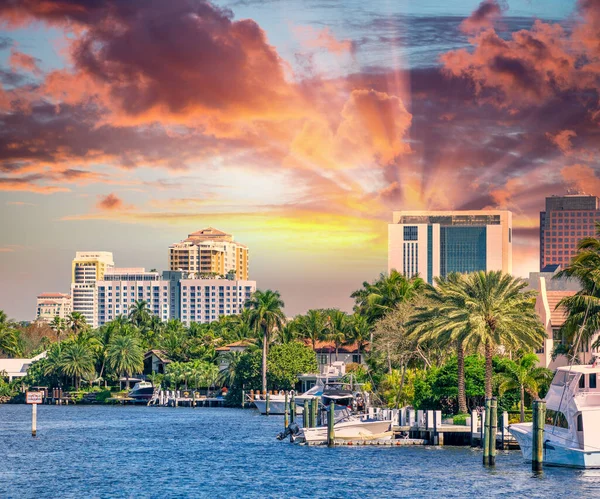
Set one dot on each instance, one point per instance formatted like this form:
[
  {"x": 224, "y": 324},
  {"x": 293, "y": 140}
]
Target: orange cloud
[
  {"x": 19, "y": 60},
  {"x": 484, "y": 16},
  {"x": 110, "y": 202},
  {"x": 582, "y": 178},
  {"x": 562, "y": 140},
  {"x": 324, "y": 38}
]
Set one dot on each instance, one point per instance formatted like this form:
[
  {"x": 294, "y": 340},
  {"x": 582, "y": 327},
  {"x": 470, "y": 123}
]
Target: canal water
[{"x": 108, "y": 451}]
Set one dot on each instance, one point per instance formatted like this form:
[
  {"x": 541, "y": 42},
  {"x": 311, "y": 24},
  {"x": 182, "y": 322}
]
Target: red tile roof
[{"x": 557, "y": 316}]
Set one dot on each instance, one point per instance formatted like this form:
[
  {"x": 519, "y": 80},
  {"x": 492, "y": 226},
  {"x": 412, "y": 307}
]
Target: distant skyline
[{"x": 298, "y": 126}]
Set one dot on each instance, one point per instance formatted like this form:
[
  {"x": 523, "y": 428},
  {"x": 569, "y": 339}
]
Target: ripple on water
[{"x": 96, "y": 451}]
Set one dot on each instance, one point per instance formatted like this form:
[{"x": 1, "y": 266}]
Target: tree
[
  {"x": 376, "y": 299},
  {"x": 287, "y": 361},
  {"x": 76, "y": 322},
  {"x": 583, "y": 308},
  {"x": 265, "y": 315},
  {"x": 125, "y": 356},
  {"x": 9, "y": 343},
  {"x": 523, "y": 375},
  {"x": 432, "y": 323},
  {"x": 139, "y": 313},
  {"x": 339, "y": 328},
  {"x": 312, "y": 326},
  {"x": 59, "y": 326},
  {"x": 489, "y": 310},
  {"x": 360, "y": 331},
  {"x": 76, "y": 360}
]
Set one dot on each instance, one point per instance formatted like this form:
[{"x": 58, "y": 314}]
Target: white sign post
[{"x": 34, "y": 398}]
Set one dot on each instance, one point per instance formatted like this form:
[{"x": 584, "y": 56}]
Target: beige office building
[
  {"x": 436, "y": 243},
  {"x": 51, "y": 305},
  {"x": 209, "y": 252}
]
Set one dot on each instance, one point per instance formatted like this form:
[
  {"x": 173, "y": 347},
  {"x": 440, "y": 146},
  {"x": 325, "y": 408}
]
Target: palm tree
[
  {"x": 524, "y": 376},
  {"x": 139, "y": 313},
  {"x": 125, "y": 356},
  {"x": 434, "y": 323},
  {"x": 489, "y": 310},
  {"x": 583, "y": 308},
  {"x": 376, "y": 299},
  {"x": 77, "y": 360},
  {"x": 264, "y": 316},
  {"x": 360, "y": 331},
  {"x": 339, "y": 329},
  {"x": 76, "y": 322},
  {"x": 312, "y": 326},
  {"x": 228, "y": 372},
  {"x": 9, "y": 341},
  {"x": 59, "y": 326}
]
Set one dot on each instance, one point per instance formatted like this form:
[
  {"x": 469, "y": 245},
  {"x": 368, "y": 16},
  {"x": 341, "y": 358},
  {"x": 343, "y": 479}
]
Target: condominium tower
[
  {"x": 209, "y": 252},
  {"x": 87, "y": 268},
  {"x": 566, "y": 221},
  {"x": 436, "y": 243}
]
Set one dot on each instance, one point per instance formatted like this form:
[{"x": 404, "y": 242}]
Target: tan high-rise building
[{"x": 209, "y": 251}]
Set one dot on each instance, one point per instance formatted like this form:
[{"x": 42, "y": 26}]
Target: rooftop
[
  {"x": 557, "y": 315},
  {"x": 54, "y": 295}
]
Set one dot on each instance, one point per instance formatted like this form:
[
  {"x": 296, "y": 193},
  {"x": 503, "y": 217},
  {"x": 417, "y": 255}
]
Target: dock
[{"x": 184, "y": 398}]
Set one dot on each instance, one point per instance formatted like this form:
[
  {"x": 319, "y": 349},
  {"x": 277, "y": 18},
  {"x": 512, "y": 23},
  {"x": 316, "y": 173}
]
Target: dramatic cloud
[
  {"x": 325, "y": 39},
  {"x": 484, "y": 16},
  {"x": 110, "y": 202},
  {"x": 19, "y": 60},
  {"x": 562, "y": 140}
]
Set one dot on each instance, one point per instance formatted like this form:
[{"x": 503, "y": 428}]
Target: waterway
[{"x": 106, "y": 451}]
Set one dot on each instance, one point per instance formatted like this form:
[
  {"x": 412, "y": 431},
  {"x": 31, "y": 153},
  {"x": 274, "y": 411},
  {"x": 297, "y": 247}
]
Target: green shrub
[{"x": 460, "y": 419}]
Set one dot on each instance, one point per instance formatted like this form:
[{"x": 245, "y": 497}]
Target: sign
[{"x": 34, "y": 397}]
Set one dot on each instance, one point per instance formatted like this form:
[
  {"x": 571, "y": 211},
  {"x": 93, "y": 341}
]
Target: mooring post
[
  {"x": 330, "y": 424},
  {"x": 315, "y": 410},
  {"x": 305, "y": 416},
  {"x": 293, "y": 409},
  {"x": 537, "y": 447},
  {"x": 33, "y": 420},
  {"x": 267, "y": 408},
  {"x": 486, "y": 432},
  {"x": 474, "y": 423},
  {"x": 286, "y": 412},
  {"x": 243, "y": 398},
  {"x": 493, "y": 430}
]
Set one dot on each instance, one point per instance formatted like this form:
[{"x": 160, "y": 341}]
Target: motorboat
[
  {"x": 572, "y": 427},
  {"x": 349, "y": 427},
  {"x": 277, "y": 401},
  {"x": 142, "y": 390},
  {"x": 338, "y": 393}
]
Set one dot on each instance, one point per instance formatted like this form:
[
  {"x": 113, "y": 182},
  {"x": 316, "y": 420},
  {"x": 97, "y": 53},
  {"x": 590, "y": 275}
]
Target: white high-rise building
[
  {"x": 205, "y": 300},
  {"x": 87, "y": 268},
  {"x": 436, "y": 243},
  {"x": 51, "y": 305},
  {"x": 122, "y": 287}
]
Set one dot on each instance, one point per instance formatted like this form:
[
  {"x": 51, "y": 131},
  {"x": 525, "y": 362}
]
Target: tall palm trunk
[
  {"x": 460, "y": 361},
  {"x": 489, "y": 371},
  {"x": 522, "y": 404},
  {"x": 264, "y": 361},
  {"x": 401, "y": 386},
  {"x": 336, "y": 351}
]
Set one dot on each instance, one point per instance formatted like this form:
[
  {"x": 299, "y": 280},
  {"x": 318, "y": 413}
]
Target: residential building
[
  {"x": 209, "y": 252},
  {"x": 87, "y": 268},
  {"x": 566, "y": 221},
  {"x": 17, "y": 368},
  {"x": 436, "y": 243},
  {"x": 205, "y": 300},
  {"x": 236, "y": 347},
  {"x": 122, "y": 287},
  {"x": 51, "y": 305},
  {"x": 155, "y": 361},
  {"x": 550, "y": 291}
]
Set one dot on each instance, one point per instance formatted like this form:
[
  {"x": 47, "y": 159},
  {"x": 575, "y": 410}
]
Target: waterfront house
[
  {"x": 348, "y": 354},
  {"x": 17, "y": 368},
  {"x": 237, "y": 346},
  {"x": 155, "y": 361}
]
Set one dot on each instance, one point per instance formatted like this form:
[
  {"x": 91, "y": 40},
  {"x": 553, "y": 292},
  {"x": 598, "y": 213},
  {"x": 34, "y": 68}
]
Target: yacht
[
  {"x": 572, "y": 429},
  {"x": 277, "y": 401},
  {"x": 349, "y": 427},
  {"x": 338, "y": 393},
  {"x": 142, "y": 390}
]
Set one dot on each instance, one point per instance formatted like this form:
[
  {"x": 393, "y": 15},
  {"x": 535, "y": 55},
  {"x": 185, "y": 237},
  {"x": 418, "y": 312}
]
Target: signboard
[{"x": 34, "y": 397}]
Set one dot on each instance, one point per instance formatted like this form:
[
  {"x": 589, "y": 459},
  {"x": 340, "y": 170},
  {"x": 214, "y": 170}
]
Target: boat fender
[
  {"x": 292, "y": 392},
  {"x": 281, "y": 392}
]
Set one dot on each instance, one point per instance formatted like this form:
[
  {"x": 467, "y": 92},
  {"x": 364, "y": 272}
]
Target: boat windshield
[{"x": 562, "y": 378}]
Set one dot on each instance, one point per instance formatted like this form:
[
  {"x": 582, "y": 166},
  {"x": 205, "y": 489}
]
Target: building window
[
  {"x": 411, "y": 233},
  {"x": 356, "y": 358}
]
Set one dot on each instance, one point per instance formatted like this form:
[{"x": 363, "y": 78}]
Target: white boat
[
  {"x": 142, "y": 391},
  {"x": 572, "y": 429},
  {"x": 277, "y": 401},
  {"x": 350, "y": 427}
]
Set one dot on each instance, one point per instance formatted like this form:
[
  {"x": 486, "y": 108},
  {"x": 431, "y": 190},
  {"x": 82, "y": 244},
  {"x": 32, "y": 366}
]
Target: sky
[{"x": 296, "y": 125}]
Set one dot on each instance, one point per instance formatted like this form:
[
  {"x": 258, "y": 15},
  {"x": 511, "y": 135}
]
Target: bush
[{"x": 460, "y": 419}]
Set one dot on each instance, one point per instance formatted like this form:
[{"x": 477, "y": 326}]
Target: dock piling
[
  {"x": 293, "y": 408},
  {"x": 493, "y": 431},
  {"x": 267, "y": 401},
  {"x": 243, "y": 398},
  {"x": 330, "y": 425},
  {"x": 33, "y": 420},
  {"x": 537, "y": 447},
  {"x": 486, "y": 432},
  {"x": 305, "y": 415},
  {"x": 286, "y": 412}
]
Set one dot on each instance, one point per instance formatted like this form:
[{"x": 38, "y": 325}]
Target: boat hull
[
  {"x": 555, "y": 452},
  {"x": 352, "y": 430}
]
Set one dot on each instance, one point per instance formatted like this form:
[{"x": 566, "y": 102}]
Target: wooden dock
[{"x": 185, "y": 398}]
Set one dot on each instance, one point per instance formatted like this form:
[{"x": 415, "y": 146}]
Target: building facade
[
  {"x": 87, "y": 268},
  {"x": 436, "y": 243},
  {"x": 205, "y": 300},
  {"x": 209, "y": 252},
  {"x": 122, "y": 287},
  {"x": 566, "y": 221},
  {"x": 51, "y": 305}
]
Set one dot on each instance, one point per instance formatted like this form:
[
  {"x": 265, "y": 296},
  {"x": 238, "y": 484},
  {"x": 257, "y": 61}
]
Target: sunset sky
[{"x": 296, "y": 125}]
